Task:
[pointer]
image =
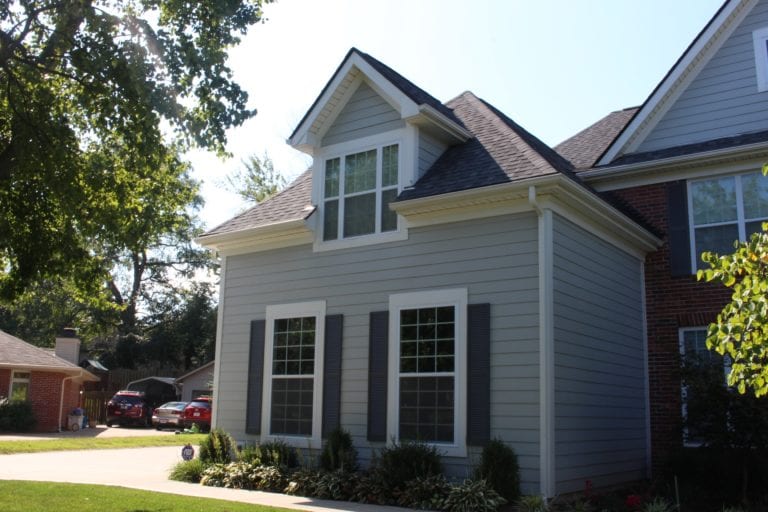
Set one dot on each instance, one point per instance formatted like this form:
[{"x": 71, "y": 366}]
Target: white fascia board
[
  {"x": 556, "y": 192},
  {"x": 432, "y": 116},
  {"x": 269, "y": 236},
  {"x": 679, "y": 77},
  {"x": 674, "y": 168},
  {"x": 304, "y": 138}
]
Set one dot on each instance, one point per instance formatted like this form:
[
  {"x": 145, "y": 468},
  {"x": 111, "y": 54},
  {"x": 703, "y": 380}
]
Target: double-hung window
[
  {"x": 725, "y": 209},
  {"x": 293, "y": 358},
  {"x": 357, "y": 190},
  {"x": 427, "y": 355},
  {"x": 19, "y": 386}
]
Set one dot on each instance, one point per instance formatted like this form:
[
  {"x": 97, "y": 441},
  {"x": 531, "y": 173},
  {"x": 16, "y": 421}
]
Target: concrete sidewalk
[{"x": 148, "y": 468}]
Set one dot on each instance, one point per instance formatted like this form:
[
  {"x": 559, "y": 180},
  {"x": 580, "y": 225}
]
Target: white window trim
[
  {"x": 301, "y": 309},
  {"x": 20, "y": 380},
  {"x": 434, "y": 298},
  {"x": 741, "y": 220},
  {"x": 759, "y": 38},
  {"x": 405, "y": 138}
]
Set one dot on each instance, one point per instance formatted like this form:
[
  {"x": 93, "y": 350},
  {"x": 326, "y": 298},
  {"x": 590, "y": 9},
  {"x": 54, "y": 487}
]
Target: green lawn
[
  {"x": 89, "y": 443},
  {"x": 20, "y": 496}
]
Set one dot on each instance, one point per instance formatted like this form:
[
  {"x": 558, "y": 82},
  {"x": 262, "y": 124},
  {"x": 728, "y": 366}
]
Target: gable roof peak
[{"x": 412, "y": 102}]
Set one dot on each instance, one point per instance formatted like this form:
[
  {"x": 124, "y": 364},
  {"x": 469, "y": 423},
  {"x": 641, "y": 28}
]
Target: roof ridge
[{"x": 538, "y": 153}]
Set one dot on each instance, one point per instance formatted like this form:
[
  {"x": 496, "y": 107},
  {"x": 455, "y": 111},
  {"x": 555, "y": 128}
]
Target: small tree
[
  {"x": 741, "y": 329},
  {"x": 256, "y": 181}
]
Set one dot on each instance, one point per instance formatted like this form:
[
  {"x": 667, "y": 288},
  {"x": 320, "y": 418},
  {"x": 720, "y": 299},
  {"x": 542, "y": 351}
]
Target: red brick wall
[
  {"x": 671, "y": 303},
  {"x": 45, "y": 395}
]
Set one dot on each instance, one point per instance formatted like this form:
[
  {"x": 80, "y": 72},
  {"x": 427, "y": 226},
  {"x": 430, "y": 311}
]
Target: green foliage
[
  {"x": 338, "y": 452},
  {"x": 273, "y": 453},
  {"x": 91, "y": 96},
  {"x": 425, "y": 493},
  {"x": 531, "y": 503},
  {"x": 658, "y": 504},
  {"x": 188, "y": 471},
  {"x": 244, "y": 475},
  {"x": 16, "y": 416},
  {"x": 258, "y": 180},
  {"x": 399, "y": 464},
  {"x": 741, "y": 329},
  {"x": 499, "y": 467},
  {"x": 472, "y": 496},
  {"x": 218, "y": 447}
]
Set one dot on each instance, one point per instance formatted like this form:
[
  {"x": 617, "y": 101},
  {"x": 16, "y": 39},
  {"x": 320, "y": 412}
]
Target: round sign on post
[{"x": 187, "y": 453}]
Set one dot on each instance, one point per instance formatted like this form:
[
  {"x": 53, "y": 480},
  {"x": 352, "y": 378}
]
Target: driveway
[
  {"x": 147, "y": 469},
  {"x": 97, "y": 432}
]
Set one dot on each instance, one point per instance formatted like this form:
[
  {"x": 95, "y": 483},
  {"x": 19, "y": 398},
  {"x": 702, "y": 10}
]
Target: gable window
[
  {"x": 293, "y": 363},
  {"x": 427, "y": 382},
  {"x": 358, "y": 188},
  {"x": 760, "y": 44},
  {"x": 19, "y": 386},
  {"x": 725, "y": 209}
]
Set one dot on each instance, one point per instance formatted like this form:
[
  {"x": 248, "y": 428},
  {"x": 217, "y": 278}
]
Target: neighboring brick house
[
  {"x": 440, "y": 274},
  {"x": 50, "y": 383},
  {"x": 687, "y": 164}
]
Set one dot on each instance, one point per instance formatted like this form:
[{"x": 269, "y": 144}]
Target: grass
[
  {"x": 21, "y": 496},
  {"x": 89, "y": 443}
]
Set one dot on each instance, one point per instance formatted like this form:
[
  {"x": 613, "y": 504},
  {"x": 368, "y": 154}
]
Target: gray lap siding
[
  {"x": 600, "y": 406},
  {"x": 495, "y": 259}
]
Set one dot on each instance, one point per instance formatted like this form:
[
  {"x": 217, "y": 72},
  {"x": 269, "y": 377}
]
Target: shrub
[
  {"x": 531, "y": 504},
  {"x": 303, "y": 483},
  {"x": 401, "y": 463},
  {"x": 214, "y": 475},
  {"x": 188, "y": 471},
  {"x": 658, "y": 505},
  {"x": 425, "y": 493},
  {"x": 338, "y": 452},
  {"x": 16, "y": 416},
  {"x": 273, "y": 453},
  {"x": 499, "y": 467},
  {"x": 472, "y": 496},
  {"x": 336, "y": 485},
  {"x": 218, "y": 447}
]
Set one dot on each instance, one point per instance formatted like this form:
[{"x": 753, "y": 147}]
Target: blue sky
[{"x": 554, "y": 66}]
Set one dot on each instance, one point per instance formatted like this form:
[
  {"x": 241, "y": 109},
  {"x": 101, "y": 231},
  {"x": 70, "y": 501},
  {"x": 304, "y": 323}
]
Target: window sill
[{"x": 361, "y": 241}]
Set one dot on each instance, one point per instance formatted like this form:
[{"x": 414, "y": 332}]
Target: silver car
[{"x": 168, "y": 415}]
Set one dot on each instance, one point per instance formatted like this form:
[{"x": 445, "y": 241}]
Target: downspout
[
  {"x": 61, "y": 400},
  {"x": 546, "y": 347}
]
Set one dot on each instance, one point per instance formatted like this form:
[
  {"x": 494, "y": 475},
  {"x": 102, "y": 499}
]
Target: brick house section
[
  {"x": 672, "y": 303},
  {"x": 48, "y": 373}
]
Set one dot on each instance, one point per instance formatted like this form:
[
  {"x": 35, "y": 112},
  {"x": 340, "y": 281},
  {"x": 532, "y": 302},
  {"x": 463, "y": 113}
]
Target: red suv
[
  {"x": 198, "y": 412},
  {"x": 129, "y": 408}
]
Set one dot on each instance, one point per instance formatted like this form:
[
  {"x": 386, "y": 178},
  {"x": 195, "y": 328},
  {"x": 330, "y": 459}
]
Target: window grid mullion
[{"x": 740, "y": 209}]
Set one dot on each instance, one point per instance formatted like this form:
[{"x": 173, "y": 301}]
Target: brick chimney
[{"x": 68, "y": 345}]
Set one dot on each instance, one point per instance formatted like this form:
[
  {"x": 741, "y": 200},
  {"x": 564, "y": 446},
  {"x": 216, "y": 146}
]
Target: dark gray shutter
[
  {"x": 332, "y": 373},
  {"x": 478, "y": 374},
  {"x": 255, "y": 378},
  {"x": 377, "y": 375},
  {"x": 678, "y": 232}
]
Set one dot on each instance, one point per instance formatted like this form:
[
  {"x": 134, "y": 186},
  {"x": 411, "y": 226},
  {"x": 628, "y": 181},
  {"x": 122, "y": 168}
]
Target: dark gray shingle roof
[
  {"x": 696, "y": 147},
  {"x": 293, "y": 203},
  {"x": 501, "y": 151},
  {"x": 17, "y": 352},
  {"x": 585, "y": 148}
]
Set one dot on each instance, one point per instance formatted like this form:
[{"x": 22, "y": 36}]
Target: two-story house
[{"x": 439, "y": 274}]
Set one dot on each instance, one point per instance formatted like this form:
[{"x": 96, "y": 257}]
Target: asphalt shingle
[
  {"x": 17, "y": 352},
  {"x": 585, "y": 148}
]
